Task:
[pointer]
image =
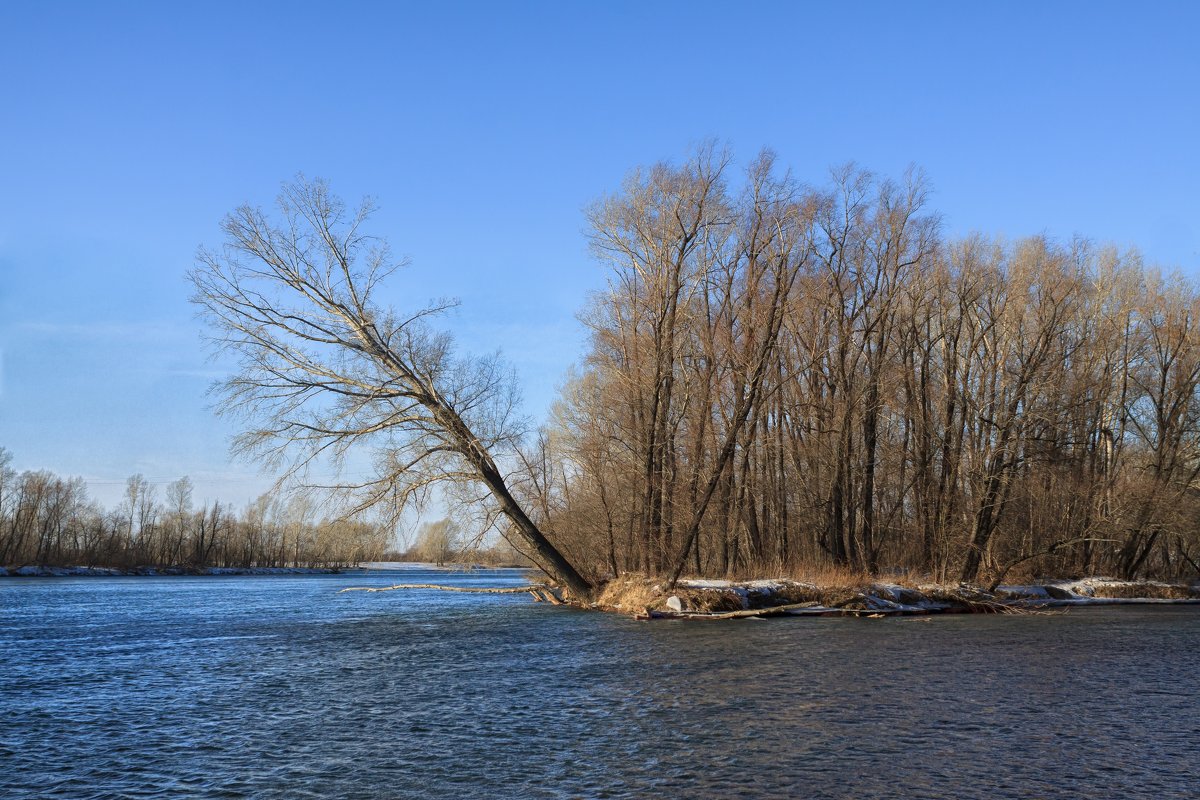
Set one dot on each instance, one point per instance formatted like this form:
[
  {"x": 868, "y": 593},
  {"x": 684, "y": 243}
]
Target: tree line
[
  {"x": 783, "y": 376},
  {"x": 447, "y": 541},
  {"x": 49, "y": 520},
  {"x": 779, "y": 376}
]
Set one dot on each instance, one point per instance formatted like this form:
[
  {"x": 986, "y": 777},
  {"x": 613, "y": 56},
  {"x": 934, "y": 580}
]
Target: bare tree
[
  {"x": 179, "y": 514},
  {"x": 8, "y": 497},
  {"x": 323, "y": 368},
  {"x": 440, "y": 541}
]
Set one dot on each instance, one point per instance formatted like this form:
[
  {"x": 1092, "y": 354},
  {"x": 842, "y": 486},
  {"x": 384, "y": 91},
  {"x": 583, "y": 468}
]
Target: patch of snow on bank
[
  {"x": 698, "y": 583},
  {"x": 1025, "y": 592},
  {"x": 743, "y": 589}
]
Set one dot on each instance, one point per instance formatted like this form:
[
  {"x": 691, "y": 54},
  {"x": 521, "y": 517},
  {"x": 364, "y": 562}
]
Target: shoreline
[
  {"x": 719, "y": 599},
  {"x": 366, "y": 567},
  {"x": 36, "y": 571}
]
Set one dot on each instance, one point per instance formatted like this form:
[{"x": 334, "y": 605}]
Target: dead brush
[
  {"x": 708, "y": 601},
  {"x": 907, "y": 578},
  {"x": 974, "y": 601},
  {"x": 1152, "y": 591},
  {"x": 830, "y": 586},
  {"x": 638, "y": 594},
  {"x": 631, "y": 593},
  {"x": 830, "y": 577},
  {"x": 797, "y": 593}
]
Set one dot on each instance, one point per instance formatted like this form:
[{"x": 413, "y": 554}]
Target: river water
[{"x": 228, "y": 687}]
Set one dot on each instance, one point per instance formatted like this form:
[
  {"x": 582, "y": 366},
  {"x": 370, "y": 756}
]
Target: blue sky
[{"x": 127, "y": 130}]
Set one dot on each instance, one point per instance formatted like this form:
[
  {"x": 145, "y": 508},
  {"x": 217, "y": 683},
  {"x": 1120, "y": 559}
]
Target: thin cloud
[
  {"x": 206, "y": 374},
  {"x": 110, "y": 331}
]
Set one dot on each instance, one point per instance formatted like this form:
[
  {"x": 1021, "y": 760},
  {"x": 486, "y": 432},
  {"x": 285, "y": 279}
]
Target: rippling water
[{"x": 280, "y": 687}]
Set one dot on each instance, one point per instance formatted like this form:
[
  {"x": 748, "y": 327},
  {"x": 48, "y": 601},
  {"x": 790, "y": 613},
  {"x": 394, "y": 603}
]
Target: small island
[
  {"x": 617, "y": 401},
  {"x": 780, "y": 378}
]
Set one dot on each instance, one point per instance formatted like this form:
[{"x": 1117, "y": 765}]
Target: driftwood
[
  {"x": 875, "y": 608},
  {"x": 748, "y": 612},
  {"x": 545, "y": 594},
  {"x": 441, "y": 588}
]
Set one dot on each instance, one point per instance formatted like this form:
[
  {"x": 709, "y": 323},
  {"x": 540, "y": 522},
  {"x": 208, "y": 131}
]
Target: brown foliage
[{"x": 784, "y": 379}]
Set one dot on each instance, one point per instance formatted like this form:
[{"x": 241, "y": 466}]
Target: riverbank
[
  {"x": 34, "y": 571},
  {"x": 721, "y": 599},
  {"x": 57, "y": 571}
]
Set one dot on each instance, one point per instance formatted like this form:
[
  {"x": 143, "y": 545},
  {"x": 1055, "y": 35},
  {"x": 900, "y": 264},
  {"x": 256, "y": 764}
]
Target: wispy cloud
[
  {"x": 206, "y": 374},
  {"x": 107, "y": 331}
]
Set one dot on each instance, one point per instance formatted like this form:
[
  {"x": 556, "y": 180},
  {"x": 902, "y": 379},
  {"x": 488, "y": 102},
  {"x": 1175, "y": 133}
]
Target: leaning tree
[{"x": 323, "y": 368}]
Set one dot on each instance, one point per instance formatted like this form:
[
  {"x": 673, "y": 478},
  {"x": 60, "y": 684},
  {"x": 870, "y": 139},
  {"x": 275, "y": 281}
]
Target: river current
[{"x": 280, "y": 687}]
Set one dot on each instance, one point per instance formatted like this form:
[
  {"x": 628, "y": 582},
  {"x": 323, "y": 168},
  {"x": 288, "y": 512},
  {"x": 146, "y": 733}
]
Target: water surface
[{"x": 227, "y": 687}]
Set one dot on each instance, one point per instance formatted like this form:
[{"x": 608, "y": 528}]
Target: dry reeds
[{"x": 1144, "y": 591}]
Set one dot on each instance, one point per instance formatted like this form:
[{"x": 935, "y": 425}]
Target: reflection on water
[{"x": 280, "y": 687}]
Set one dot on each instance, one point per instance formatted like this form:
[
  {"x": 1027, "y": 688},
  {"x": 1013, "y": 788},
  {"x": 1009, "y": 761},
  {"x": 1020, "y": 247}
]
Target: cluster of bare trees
[
  {"x": 449, "y": 541},
  {"x": 779, "y": 376},
  {"x": 440, "y": 542},
  {"x": 49, "y": 520},
  {"x": 782, "y": 376}
]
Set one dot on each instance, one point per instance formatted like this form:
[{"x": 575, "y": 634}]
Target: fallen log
[
  {"x": 748, "y": 612},
  {"x": 443, "y": 588}
]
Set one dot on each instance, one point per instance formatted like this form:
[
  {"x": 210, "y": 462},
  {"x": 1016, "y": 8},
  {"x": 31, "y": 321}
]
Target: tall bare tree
[{"x": 323, "y": 368}]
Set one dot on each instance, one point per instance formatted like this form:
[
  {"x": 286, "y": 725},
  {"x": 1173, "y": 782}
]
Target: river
[{"x": 280, "y": 687}]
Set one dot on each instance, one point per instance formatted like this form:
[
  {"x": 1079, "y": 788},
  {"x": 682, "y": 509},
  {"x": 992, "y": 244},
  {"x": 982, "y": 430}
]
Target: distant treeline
[
  {"x": 49, "y": 520},
  {"x": 444, "y": 541},
  {"x": 782, "y": 376}
]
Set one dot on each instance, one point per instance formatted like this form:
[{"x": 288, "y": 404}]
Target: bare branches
[
  {"x": 780, "y": 375},
  {"x": 323, "y": 370}
]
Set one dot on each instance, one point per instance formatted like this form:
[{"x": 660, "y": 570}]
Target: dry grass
[
  {"x": 631, "y": 593},
  {"x": 1148, "y": 591},
  {"x": 795, "y": 593},
  {"x": 708, "y": 601},
  {"x": 829, "y": 576},
  {"x": 638, "y": 594}
]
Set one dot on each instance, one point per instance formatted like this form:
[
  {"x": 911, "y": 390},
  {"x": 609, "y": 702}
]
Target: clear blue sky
[{"x": 127, "y": 130}]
